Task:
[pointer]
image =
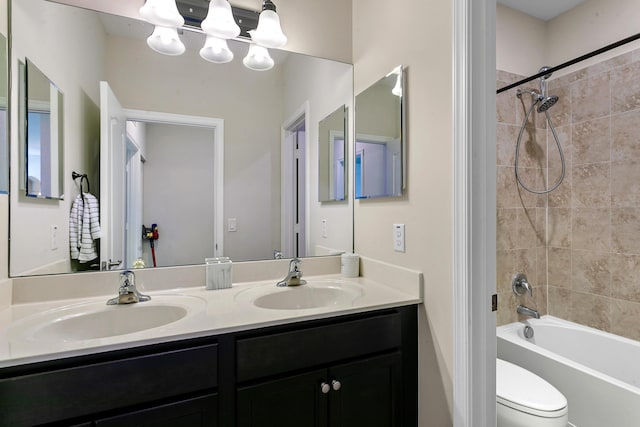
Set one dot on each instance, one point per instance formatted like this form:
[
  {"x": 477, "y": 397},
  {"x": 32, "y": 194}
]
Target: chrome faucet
[
  {"x": 127, "y": 292},
  {"x": 294, "y": 277},
  {"x": 528, "y": 311}
]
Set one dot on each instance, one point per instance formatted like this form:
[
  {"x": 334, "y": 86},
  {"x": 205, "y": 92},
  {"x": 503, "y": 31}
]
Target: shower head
[{"x": 546, "y": 102}]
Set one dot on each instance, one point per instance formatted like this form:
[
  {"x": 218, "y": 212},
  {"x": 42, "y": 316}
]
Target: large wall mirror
[
  {"x": 174, "y": 119},
  {"x": 44, "y": 141},
  {"x": 379, "y": 145},
  {"x": 332, "y": 147}
]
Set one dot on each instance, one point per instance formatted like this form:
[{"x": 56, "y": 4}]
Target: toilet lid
[{"x": 523, "y": 390}]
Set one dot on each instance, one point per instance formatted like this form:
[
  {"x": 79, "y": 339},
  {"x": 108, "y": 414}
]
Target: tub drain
[{"x": 528, "y": 332}]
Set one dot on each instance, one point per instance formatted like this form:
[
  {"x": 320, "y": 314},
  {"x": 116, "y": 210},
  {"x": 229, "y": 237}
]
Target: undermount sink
[
  {"x": 315, "y": 294},
  {"x": 94, "y": 320}
]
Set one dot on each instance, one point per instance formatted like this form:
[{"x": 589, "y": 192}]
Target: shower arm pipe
[{"x": 571, "y": 62}]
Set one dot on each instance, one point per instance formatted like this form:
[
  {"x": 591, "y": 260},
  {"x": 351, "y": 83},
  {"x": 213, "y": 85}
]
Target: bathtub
[{"x": 598, "y": 372}]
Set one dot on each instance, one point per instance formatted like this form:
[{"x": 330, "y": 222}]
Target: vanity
[{"x": 232, "y": 360}]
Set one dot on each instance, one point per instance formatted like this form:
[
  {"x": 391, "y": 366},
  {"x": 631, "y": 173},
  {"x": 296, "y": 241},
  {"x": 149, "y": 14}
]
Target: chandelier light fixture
[{"x": 219, "y": 25}]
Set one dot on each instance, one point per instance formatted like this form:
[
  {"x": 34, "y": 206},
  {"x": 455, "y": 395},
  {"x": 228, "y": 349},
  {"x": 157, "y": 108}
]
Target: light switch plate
[
  {"x": 398, "y": 237},
  {"x": 324, "y": 229},
  {"x": 232, "y": 224}
]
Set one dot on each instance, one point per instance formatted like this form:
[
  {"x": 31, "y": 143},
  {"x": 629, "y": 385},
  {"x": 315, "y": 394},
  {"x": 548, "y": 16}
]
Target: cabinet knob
[
  {"x": 335, "y": 384},
  {"x": 325, "y": 388}
]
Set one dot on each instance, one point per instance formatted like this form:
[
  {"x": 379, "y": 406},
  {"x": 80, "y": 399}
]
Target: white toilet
[{"x": 526, "y": 400}]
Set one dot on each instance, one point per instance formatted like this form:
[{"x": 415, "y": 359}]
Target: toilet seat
[{"x": 526, "y": 392}]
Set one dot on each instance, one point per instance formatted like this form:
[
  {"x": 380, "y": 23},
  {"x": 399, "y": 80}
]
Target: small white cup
[{"x": 350, "y": 265}]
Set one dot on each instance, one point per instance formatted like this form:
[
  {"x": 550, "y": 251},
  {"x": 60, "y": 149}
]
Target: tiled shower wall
[{"x": 587, "y": 232}]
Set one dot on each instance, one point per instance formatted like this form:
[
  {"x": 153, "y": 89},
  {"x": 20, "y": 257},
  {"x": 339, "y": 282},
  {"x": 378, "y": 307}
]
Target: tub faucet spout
[{"x": 528, "y": 311}]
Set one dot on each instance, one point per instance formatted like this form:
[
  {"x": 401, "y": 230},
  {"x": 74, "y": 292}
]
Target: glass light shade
[
  {"x": 397, "y": 89},
  {"x": 216, "y": 50},
  {"x": 162, "y": 12},
  {"x": 166, "y": 41},
  {"x": 219, "y": 21},
  {"x": 268, "y": 34},
  {"x": 258, "y": 58}
]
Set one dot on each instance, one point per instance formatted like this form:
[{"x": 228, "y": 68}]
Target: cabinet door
[
  {"x": 296, "y": 401},
  {"x": 196, "y": 412},
  {"x": 366, "y": 393}
]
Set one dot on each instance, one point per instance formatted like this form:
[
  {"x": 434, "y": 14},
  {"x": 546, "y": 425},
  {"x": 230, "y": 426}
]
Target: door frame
[
  {"x": 287, "y": 186},
  {"x": 474, "y": 212},
  {"x": 218, "y": 167}
]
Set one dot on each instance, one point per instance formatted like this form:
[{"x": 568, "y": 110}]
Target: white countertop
[{"x": 219, "y": 311}]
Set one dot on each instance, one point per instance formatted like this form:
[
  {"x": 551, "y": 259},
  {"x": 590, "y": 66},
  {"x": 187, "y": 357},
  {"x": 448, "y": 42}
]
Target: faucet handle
[
  {"x": 520, "y": 285},
  {"x": 294, "y": 264}
]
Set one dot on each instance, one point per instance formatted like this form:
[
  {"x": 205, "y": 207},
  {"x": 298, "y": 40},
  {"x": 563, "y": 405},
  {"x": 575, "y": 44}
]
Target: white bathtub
[{"x": 598, "y": 372}]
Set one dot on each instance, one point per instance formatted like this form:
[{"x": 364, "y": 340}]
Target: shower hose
[{"x": 555, "y": 136}]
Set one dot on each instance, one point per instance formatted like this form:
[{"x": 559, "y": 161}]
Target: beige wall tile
[
  {"x": 541, "y": 264},
  {"x": 590, "y": 98},
  {"x": 591, "y": 272},
  {"x": 624, "y": 135},
  {"x": 625, "y": 183},
  {"x": 506, "y": 228},
  {"x": 531, "y": 228},
  {"x": 591, "y": 185},
  {"x": 559, "y": 264},
  {"x": 536, "y": 120},
  {"x": 559, "y": 227},
  {"x": 506, "y": 188},
  {"x": 534, "y": 179},
  {"x": 560, "y": 113},
  {"x": 591, "y": 310},
  {"x": 506, "y": 105},
  {"x": 625, "y": 277},
  {"x": 625, "y": 230},
  {"x": 506, "y": 308},
  {"x": 533, "y": 146},
  {"x": 591, "y": 141},
  {"x": 504, "y": 270},
  {"x": 506, "y": 138},
  {"x": 564, "y": 136},
  {"x": 591, "y": 229},
  {"x": 559, "y": 302},
  {"x": 525, "y": 262},
  {"x": 625, "y": 88},
  {"x": 625, "y": 319}
]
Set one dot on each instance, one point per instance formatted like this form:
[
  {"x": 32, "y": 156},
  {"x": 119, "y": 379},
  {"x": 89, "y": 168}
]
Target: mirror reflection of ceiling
[
  {"x": 254, "y": 106},
  {"x": 542, "y": 9}
]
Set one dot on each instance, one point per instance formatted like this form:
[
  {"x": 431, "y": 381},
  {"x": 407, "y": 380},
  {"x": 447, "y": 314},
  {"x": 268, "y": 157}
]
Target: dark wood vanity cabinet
[{"x": 348, "y": 371}]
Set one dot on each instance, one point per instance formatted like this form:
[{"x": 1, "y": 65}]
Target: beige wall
[
  {"x": 385, "y": 35},
  {"x": 317, "y": 28},
  {"x": 589, "y": 26},
  {"x": 520, "y": 41},
  {"x": 524, "y": 43}
]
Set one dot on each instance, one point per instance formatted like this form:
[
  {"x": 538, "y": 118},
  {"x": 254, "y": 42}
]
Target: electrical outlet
[
  {"x": 324, "y": 229},
  {"x": 398, "y": 237},
  {"x": 54, "y": 237},
  {"x": 232, "y": 224}
]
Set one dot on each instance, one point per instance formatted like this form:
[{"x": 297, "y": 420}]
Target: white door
[{"x": 112, "y": 178}]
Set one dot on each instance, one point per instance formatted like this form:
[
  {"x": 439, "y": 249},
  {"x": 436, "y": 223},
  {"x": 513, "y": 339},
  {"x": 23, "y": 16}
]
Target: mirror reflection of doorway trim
[
  {"x": 337, "y": 173},
  {"x": 217, "y": 187},
  {"x": 294, "y": 184}
]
